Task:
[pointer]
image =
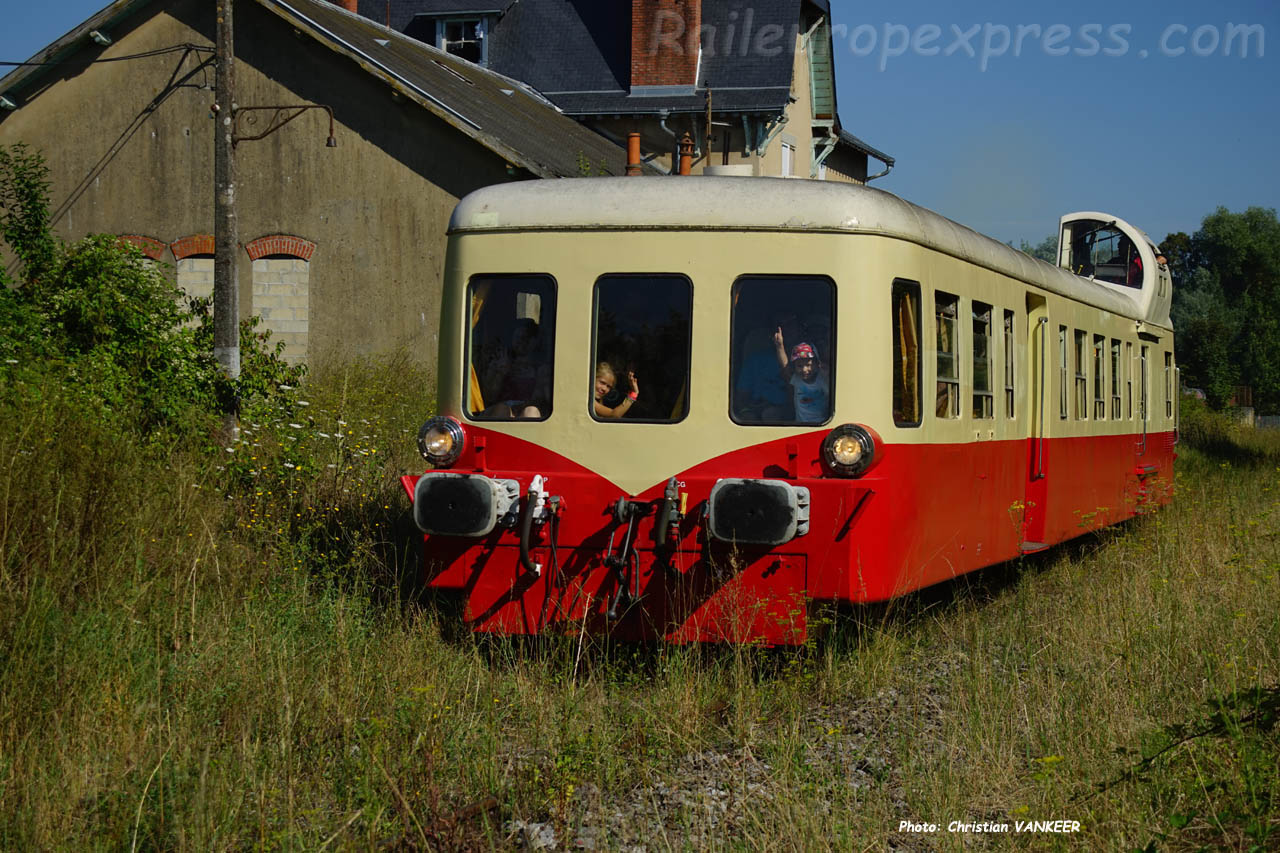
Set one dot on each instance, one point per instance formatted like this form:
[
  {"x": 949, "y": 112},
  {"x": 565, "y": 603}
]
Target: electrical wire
[{"x": 144, "y": 55}]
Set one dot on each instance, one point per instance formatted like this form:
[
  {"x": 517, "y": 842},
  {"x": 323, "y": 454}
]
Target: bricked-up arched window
[
  {"x": 193, "y": 258},
  {"x": 149, "y": 246},
  {"x": 281, "y": 290}
]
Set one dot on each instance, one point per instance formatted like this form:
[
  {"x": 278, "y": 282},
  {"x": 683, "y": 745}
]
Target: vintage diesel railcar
[{"x": 689, "y": 408}]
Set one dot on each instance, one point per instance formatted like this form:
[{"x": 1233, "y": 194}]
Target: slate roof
[
  {"x": 503, "y": 114},
  {"x": 578, "y": 52}
]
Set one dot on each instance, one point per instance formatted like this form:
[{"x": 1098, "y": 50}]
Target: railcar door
[{"x": 1034, "y": 509}]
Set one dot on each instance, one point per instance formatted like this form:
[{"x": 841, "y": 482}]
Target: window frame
[
  {"x": 1168, "y": 385},
  {"x": 467, "y": 342},
  {"x": 593, "y": 349},
  {"x": 1115, "y": 379},
  {"x": 955, "y": 406},
  {"x": 482, "y": 27},
  {"x": 1128, "y": 379},
  {"x": 1009, "y": 331},
  {"x": 1099, "y": 378},
  {"x": 828, "y": 361},
  {"x": 987, "y": 411},
  {"x": 1063, "y": 393},
  {"x": 907, "y": 285},
  {"x": 1081, "y": 377}
]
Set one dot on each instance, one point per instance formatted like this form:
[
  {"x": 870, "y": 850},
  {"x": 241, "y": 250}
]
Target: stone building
[{"x": 343, "y": 247}]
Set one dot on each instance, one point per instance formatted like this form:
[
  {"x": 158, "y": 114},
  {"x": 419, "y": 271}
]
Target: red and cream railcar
[{"x": 689, "y": 408}]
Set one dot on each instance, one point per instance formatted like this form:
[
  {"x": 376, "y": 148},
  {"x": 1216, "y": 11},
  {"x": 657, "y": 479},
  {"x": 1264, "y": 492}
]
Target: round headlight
[
  {"x": 848, "y": 450},
  {"x": 440, "y": 441}
]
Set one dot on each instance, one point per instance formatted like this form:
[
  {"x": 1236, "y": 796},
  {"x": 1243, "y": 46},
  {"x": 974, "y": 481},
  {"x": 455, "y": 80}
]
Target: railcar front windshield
[
  {"x": 510, "y": 345},
  {"x": 781, "y": 354},
  {"x": 640, "y": 363}
]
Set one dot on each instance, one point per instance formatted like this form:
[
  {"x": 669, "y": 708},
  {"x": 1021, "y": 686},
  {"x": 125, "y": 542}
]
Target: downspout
[
  {"x": 675, "y": 140},
  {"x": 888, "y": 167}
]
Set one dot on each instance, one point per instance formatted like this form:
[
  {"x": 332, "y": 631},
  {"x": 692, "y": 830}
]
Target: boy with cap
[{"x": 808, "y": 380}]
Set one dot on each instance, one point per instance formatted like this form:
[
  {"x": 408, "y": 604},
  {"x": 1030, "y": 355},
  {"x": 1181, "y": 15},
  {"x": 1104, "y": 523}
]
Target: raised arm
[
  {"x": 780, "y": 346},
  {"x": 622, "y": 408}
]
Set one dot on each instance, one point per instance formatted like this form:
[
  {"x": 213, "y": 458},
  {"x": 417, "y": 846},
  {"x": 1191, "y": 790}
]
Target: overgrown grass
[{"x": 203, "y": 648}]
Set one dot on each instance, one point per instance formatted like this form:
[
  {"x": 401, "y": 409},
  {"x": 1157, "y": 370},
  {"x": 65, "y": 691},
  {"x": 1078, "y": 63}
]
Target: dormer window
[{"x": 463, "y": 37}]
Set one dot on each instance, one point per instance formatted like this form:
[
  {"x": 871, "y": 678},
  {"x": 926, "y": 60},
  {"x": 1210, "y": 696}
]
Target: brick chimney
[
  {"x": 349, "y": 5},
  {"x": 665, "y": 42}
]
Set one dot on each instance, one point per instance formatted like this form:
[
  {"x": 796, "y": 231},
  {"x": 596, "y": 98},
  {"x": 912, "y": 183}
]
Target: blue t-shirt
[{"x": 812, "y": 399}]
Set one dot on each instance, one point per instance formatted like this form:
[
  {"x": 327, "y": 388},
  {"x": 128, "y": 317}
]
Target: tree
[
  {"x": 1046, "y": 250},
  {"x": 1206, "y": 329},
  {"x": 1227, "y": 304}
]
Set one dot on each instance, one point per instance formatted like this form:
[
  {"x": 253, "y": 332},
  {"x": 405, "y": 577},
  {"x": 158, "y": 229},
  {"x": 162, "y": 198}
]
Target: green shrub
[{"x": 99, "y": 320}]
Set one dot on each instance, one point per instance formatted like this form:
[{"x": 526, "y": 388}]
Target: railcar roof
[{"x": 765, "y": 204}]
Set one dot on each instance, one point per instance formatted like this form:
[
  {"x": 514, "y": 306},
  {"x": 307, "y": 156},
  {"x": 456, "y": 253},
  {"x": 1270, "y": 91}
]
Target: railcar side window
[
  {"x": 1062, "y": 372},
  {"x": 640, "y": 361},
  {"x": 781, "y": 352},
  {"x": 907, "y": 410},
  {"x": 509, "y": 346},
  {"x": 1115, "y": 379},
  {"x": 983, "y": 399},
  {"x": 1082, "y": 379},
  {"x": 946, "y": 309},
  {"x": 1099, "y": 378},
  {"x": 1128, "y": 379},
  {"x": 1008, "y": 365}
]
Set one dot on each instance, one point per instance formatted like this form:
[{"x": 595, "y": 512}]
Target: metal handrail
[{"x": 1044, "y": 325}]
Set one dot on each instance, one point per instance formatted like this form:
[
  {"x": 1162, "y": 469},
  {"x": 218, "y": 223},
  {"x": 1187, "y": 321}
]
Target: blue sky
[
  {"x": 1140, "y": 118},
  {"x": 1157, "y": 139}
]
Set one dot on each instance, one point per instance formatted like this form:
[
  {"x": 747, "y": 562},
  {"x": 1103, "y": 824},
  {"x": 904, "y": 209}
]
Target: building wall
[
  {"x": 125, "y": 160},
  {"x": 797, "y": 132}
]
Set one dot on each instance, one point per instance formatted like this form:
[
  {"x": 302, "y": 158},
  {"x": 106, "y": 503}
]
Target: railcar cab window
[
  {"x": 640, "y": 353},
  {"x": 1101, "y": 250},
  {"x": 781, "y": 350},
  {"x": 946, "y": 312},
  {"x": 509, "y": 347}
]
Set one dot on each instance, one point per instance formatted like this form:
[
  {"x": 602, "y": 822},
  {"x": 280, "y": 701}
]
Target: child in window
[
  {"x": 809, "y": 381},
  {"x": 605, "y": 380}
]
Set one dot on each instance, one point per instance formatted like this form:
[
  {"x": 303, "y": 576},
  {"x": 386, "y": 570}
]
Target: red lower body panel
[{"x": 923, "y": 514}]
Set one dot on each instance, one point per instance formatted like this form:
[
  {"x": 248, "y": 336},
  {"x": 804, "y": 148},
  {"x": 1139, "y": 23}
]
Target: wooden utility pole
[{"x": 226, "y": 232}]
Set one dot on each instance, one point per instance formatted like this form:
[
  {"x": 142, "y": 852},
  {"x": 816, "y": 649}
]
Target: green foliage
[
  {"x": 103, "y": 322},
  {"x": 1206, "y": 325},
  {"x": 1227, "y": 304},
  {"x": 24, "y": 210},
  {"x": 1046, "y": 250}
]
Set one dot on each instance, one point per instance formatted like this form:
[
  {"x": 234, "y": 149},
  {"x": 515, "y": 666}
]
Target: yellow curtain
[
  {"x": 909, "y": 346},
  {"x": 479, "y": 293}
]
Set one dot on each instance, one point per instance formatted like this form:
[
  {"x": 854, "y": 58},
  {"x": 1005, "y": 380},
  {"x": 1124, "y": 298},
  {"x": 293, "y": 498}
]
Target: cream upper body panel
[
  {"x": 764, "y": 204},
  {"x": 861, "y": 266}
]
